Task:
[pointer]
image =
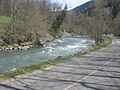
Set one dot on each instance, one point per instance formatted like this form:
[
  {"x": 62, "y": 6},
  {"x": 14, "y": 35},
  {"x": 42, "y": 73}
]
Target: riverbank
[
  {"x": 107, "y": 41},
  {"x": 31, "y": 68},
  {"x": 22, "y": 46},
  {"x": 29, "y": 45}
]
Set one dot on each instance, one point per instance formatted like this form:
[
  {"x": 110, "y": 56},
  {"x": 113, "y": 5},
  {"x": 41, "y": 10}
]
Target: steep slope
[{"x": 83, "y": 7}]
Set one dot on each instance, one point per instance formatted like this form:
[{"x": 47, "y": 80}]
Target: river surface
[{"x": 60, "y": 47}]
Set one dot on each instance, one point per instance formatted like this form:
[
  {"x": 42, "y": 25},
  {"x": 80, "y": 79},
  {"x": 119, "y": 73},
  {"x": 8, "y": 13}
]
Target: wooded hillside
[
  {"x": 28, "y": 21},
  {"x": 38, "y": 21},
  {"x": 102, "y": 18}
]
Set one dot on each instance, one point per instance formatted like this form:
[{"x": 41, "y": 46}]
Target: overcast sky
[{"x": 72, "y": 3}]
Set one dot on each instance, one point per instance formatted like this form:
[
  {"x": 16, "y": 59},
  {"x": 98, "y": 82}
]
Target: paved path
[{"x": 98, "y": 70}]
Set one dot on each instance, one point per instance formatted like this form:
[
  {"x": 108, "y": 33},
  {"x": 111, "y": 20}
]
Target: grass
[
  {"x": 107, "y": 41},
  {"x": 31, "y": 68},
  {"x": 5, "y": 20}
]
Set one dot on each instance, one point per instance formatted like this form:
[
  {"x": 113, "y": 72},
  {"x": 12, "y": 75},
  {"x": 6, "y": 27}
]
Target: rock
[
  {"x": 3, "y": 48},
  {"x": 77, "y": 54},
  {"x": 14, "y": 48},
  {"x": 16, "y": 45},
  {"x": 25, "y": 47},
  {"x": 48, "y": 41},
  {"x": 14, "y": 69},
  {"x": 19, "y": 48},
  {"x": 31, "y": 46},
  {"x": 11, "y": 48},
  {"x": 7, "y": 49},
  {"x": 1, "y": 42}
]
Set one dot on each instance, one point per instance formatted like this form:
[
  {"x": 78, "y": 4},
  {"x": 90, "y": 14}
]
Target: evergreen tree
[{"x": 58, "y": 21}]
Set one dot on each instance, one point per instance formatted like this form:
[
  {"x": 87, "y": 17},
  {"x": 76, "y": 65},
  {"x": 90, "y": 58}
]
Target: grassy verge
[
  {"x": 31, "y": 68},
  {"x": 107, "y": 41}
]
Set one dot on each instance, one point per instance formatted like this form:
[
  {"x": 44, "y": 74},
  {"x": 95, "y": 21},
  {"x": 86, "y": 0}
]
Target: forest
[
  {"x": 39, "y": 21},
  {"x": 102, "y": 17}
]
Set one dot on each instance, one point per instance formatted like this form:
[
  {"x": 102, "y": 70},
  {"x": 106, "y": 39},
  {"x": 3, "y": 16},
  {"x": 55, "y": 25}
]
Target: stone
[
  {"x": 31, "y": 46},
  {"x": 19, "y": 48},
  {"x": 1, "y": 42},
  {"x": 14, "y": 69},
  {"x": 25, "y": 47}
]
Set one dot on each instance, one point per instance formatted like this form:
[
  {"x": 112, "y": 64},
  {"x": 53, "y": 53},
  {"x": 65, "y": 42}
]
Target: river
[{"x": 60, "y": 47}]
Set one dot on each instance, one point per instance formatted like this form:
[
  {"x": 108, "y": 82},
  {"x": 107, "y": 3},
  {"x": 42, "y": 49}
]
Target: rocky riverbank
[
  {"x": 29, "y": 45},
  {"x": 21, "y": 46},
  {"x": 16, "y": 48}
]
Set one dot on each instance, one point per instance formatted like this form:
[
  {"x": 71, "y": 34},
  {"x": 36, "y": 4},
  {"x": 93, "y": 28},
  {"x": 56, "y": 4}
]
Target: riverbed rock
[
  {"x": 3, "y": 48},
  {"x": 15, "y": 48},
  {"x": 11, "y": 48},
  {"x": 14, "y": 69},
  {"x": 19, "y": 48},
  {"x": 25, "y": 47},
  {"x": 7, "y": 49},
  {"x": 31, "y": 46}
]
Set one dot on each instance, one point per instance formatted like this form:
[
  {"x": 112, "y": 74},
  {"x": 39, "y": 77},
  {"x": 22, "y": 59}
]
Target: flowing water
[{"x": 59, "y": 47}]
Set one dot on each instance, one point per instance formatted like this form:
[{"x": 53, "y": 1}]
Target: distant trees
[
  {"x": 116, "y": 25},
  {"x": 103, "y": 18},
  {"x": 98, "y": 23},
  {"x": 115, "y": 12},
  {"x": 106, "y": 14},
  {"x": 115, "y": 7}
]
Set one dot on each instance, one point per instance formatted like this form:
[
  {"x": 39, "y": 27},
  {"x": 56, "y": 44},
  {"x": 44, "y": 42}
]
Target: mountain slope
[{"x": 83, "y": 7}]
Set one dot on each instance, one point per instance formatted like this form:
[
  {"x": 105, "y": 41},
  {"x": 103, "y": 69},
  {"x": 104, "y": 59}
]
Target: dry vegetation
[
  {"x": 30, "y": 21},
  {"x": 38, "y": 21},
  {"x": 102, "y": 18}
]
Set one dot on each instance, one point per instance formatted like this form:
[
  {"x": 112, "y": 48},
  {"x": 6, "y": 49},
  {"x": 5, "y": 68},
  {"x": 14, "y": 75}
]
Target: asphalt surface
[{"x": 98, "y": 70}]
